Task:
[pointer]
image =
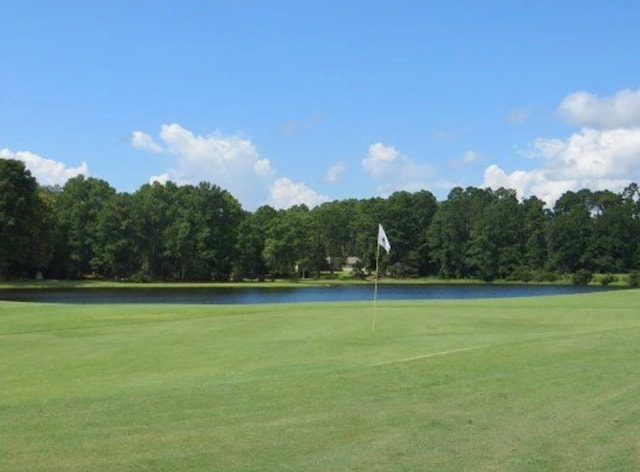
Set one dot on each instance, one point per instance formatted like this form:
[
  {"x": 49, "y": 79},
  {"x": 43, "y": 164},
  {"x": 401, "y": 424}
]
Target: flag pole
[
  {"x": 375, "y": 290},
  {"x": 384, "y": 242}
]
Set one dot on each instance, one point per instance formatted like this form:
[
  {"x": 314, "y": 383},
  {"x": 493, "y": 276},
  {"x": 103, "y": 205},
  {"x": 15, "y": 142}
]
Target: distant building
[{"x": 350, "y": 263}]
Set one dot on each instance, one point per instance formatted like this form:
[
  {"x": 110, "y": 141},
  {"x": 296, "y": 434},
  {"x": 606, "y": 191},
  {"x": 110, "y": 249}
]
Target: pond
[{"x": 252, "y": 295}]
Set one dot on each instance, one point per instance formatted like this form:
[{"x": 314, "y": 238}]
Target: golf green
[{"x": 527, "y": 384}]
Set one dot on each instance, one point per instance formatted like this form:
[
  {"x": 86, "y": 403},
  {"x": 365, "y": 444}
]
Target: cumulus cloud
[
  {"x": 395, "y": 171},
  {"x": 143, "y": 141},
  {"x": 230, "y": 161},
  {"x": 334, "y": 174},
  {"x": 262, "y": 168},
  {"x": 590, "y": 158},
  {"x": 604, "y": 154},
  {"x": 223, "y": 153},
  {"x": 161, "y": 179},
  {"x": 533, "y": 183},
  {"x": 621, "y": 110},
  {"x": 285, "y": 193},
  {"x": 595, "y": 154},
  {"x": 46, "y": 171},
  {"x": 381, "y": 159}
]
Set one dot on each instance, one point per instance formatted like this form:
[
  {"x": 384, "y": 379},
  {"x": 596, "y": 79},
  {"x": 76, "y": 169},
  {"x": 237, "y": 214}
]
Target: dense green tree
[
  {"x": 363, "y": 227},
  {"x": 192, "y": 231},
  {"x": 154, "y": 208},
  {"x": 535, "y": 220},
  {"x": 21, "y": 219},
  {"x": 331, "y": 228},
  {"x": 570, "y": 231},
  {"x": 57, "y": 259},
  {"x": 118, "y": 238},
  {"x": 450, "y": 230},
  {"x": 45, "y": 233},
  {"x": 215, "y": 216},
  {"x": 252, "y": 230},
  {"x": 608, "y": 241},
  {"x": 407, "y": 217},
  {"x": 289, "y": 245},
  {"x": 631, "y": 202},
  {"x": 187, "y": 249},
  {"x": 78, "y": 207},
  {"x": 495, "y": 246}
]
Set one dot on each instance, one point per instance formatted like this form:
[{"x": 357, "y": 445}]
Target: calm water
[{"x": 251, "y": 295}]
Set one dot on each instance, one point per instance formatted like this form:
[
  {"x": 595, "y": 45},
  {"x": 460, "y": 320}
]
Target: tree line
[{"x": 201, "y": 232}]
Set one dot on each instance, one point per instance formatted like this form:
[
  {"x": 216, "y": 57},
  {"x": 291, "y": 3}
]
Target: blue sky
[{"x": 286, "y": 102}]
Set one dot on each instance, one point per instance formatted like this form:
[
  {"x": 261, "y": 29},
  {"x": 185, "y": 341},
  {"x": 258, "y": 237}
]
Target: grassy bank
[
  {"x": 619, "y": 280},
  {"x": 278, "y": 283},
  {"x": 525, "y": 384}
]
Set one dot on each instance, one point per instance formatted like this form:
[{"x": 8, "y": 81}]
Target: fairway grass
[{"x": 528, "y": 384}]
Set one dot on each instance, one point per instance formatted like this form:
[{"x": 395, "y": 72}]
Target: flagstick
[{"x": 375, "y": 290}]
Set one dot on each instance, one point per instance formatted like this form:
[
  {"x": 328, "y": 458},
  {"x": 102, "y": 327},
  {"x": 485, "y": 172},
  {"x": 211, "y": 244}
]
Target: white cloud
[
  {"x": 161, "y": 179},
  {"x": 334, "y": 174},
  {"x": 526, "y": 183},
  {"x": 232, "y": 162},
  {"x": 262, "y": 167},
  {"x": 46, "y": 171},
  {"x": 381, "y": 158},
  {"x": 143, "y": 141},
  {"x": 593, "y": 154},
  {"x": 590, "y": 158},
  {"x": 622, "y": 110},
  {"x": 468, "y": 158},
  {"x": 394, "y": 170},
  {"x": 224, "y": 152},
  {"x": 285, "y": 193},
  {"x": 604, "y": 154}
]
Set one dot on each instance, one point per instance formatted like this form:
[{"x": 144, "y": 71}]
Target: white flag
[{"x": 383, "y": 240}]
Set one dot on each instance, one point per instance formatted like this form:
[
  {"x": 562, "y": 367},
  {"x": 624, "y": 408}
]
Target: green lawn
[{"x": 532, "y": 384}]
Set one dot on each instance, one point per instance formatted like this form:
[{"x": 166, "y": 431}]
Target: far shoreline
[{"x": 621, "y": 281}]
